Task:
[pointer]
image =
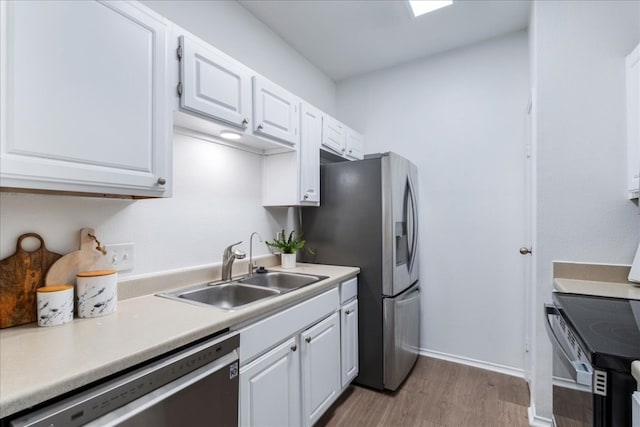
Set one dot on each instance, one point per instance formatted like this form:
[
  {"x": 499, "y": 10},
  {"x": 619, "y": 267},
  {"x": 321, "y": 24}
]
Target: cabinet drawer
[
  {"x": 348, "y": 289},
  {"x": 260, "y": 336}
]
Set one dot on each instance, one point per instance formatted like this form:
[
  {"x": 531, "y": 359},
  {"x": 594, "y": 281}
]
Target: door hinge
[
  {"x": 179, "y": 88},
  {"x": 179, "y": 52}
]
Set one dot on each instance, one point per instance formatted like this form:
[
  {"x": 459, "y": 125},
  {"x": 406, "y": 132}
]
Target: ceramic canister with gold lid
[
  {"x": 54, "y": 305},
  {"x": 97, "y": 292}
]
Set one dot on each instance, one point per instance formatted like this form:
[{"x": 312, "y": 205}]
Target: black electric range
[{"x": 600, "y": 338}]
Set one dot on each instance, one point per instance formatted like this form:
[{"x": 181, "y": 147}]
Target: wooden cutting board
[
  {"x": 20, "y": 275},
  {"x": 87, "y": 258}
]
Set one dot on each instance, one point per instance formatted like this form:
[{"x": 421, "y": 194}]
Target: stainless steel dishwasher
[{"x": 196, "y": 386}]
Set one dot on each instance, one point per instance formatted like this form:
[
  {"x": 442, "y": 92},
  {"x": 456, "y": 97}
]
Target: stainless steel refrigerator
[{"x": 368, "y": 217}]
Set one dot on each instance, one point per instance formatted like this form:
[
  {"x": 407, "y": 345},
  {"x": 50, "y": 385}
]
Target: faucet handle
[
  {"x": 227, "y": 250},
  {"x": 239, "y": 254}
]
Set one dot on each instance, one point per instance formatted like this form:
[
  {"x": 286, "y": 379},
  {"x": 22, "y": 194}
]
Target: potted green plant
[{"x": 287, "y": 246}]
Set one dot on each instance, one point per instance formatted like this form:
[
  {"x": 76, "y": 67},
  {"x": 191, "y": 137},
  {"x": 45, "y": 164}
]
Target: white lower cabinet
[
  {"x": 291, "y": 362},
  {"x": 349, "y": 341},
  {"x": 320, "y": 368},
  {"x": 270, "y": 388}
]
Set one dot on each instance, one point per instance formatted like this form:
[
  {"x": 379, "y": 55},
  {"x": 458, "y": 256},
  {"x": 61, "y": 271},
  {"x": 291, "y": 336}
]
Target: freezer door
[
  {"x": 401, "y": 336},
  {"x": 400, "y": 223}
]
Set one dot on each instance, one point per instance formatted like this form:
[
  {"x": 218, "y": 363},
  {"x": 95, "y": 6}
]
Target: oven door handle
[{"x": 581, "y": 372}]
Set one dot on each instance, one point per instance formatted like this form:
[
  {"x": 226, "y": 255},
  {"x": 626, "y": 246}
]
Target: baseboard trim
[
  {"x": 515, "y": 372},
  {"x": 537, "y": 421}
]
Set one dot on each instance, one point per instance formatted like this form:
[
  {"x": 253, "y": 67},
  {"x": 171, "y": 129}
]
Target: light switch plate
[{"x": 121, "y": 255}]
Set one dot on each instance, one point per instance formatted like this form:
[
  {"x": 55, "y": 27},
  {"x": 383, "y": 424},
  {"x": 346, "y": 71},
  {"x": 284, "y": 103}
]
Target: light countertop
[
  {"x": 39, "y": 363},
  {"x": 591, "y": 287},
  {"x": 635, "y": 370}
]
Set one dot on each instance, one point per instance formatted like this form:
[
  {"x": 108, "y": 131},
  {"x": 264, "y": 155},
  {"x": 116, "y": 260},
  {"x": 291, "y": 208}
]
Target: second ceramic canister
[{"x": 97, "y": 292}]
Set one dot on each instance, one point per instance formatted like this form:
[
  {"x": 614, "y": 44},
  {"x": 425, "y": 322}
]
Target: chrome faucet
[
  {"x": 227, "y": 260},
  {"x": 255, "y": 233}
]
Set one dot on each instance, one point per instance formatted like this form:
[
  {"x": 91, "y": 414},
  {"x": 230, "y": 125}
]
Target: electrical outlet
[{"x": 121, "y": 255}]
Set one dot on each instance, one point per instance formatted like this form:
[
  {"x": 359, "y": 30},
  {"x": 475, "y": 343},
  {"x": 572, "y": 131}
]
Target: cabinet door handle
[
  {"x": 343, "y": 150},
  {"x": 260, "y": 127},
  {"x": 306, "y": 196},
  {"x": 245, "y": 121},
  {"x": 308, "y": 339},
  {"x": 161, "y": 181},
  {"x": 294, "y": 347},
  {"x": 347, "y": 312}
]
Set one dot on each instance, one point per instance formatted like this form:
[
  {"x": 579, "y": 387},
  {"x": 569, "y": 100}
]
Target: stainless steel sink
[
  {"x": 227, "y": 296},
  {"x": 281, "y": 281},
  {"x": 239, "y": 293}
]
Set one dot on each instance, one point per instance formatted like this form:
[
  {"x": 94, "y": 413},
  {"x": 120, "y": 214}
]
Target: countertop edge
[
  {"x": 635, "y": 370},
  {"x": 597, "y": 288},
  {"x": 15, "y": 402}
]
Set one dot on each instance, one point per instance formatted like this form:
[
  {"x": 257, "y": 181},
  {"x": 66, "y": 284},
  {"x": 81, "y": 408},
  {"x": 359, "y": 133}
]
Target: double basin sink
[{"x": 239, "y": 293}]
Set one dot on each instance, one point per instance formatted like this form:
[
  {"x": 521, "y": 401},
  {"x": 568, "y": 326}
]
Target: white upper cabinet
[
  {"x": 633, "y": 122},
  {"x": 355, "y": 145},
  {"x": 334, "y": 135},
  {"x": 309, "y": 154},
  {"x": 275, "y": 111},
  {"x": 84, "y": 103},
  {"x": 213, "y": 85},
  {"x": 293, "y": 178}
]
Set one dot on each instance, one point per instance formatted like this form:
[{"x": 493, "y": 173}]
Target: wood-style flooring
[{"x": 437, "y": 393}]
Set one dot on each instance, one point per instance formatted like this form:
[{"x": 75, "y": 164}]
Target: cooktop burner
[{"x": 609, "y": 328}]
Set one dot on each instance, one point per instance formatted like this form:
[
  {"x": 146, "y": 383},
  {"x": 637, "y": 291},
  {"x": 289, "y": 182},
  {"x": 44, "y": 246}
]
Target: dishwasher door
[
  {"x": 204, "y": 397},
  {"x": 195, "y": 386}
]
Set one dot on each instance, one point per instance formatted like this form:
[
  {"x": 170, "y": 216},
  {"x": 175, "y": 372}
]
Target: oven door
[{"x": 573, "y": 398}]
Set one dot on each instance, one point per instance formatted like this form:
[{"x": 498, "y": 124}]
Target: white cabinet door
[
  {"x": 349, "y": 341},
  {"x": 276, "y": 111},
  {"x": 355, "y": 145},
  {"x": 633, "y": 122},
  {"x": 270, "y": 388},
  {"x": 309, "y": 154},
  {"x": 84, "y": 98},
  {"x": 320, "y": 368},
  {"x": 334, "y": 135},
  {"x": 213, "y": 84}
]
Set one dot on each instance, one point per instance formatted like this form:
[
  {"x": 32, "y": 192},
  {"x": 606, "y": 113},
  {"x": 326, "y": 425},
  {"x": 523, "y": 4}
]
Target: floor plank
[{"x": 437, "y": 393}]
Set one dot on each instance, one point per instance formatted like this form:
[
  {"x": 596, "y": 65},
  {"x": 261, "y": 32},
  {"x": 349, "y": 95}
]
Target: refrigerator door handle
[{"x": 413, "y": 224}]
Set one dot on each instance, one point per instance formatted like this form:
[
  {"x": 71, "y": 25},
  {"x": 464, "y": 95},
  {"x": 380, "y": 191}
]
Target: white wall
[
  {"x": 216, "y": 191},
  {"x": 460, "y": 117},
  {"x": 237, "y": 32},
  {"x": 583, "y": 213}
]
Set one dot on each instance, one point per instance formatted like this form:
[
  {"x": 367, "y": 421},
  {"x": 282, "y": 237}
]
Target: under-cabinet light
[
  {"x": 229, "y": 135},
  {"x": 420, "y": 7}
]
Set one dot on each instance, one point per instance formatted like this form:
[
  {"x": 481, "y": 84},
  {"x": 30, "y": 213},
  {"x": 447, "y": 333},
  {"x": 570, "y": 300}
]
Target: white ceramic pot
[
  {"x": 55, "y": 305},
  {"x": 97, "y": 293},
  {"x": 288, "y": 260}
]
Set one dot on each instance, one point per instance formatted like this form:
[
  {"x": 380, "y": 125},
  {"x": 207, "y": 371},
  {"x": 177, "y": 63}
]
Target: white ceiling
[{"x": 345, "y": 38}]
